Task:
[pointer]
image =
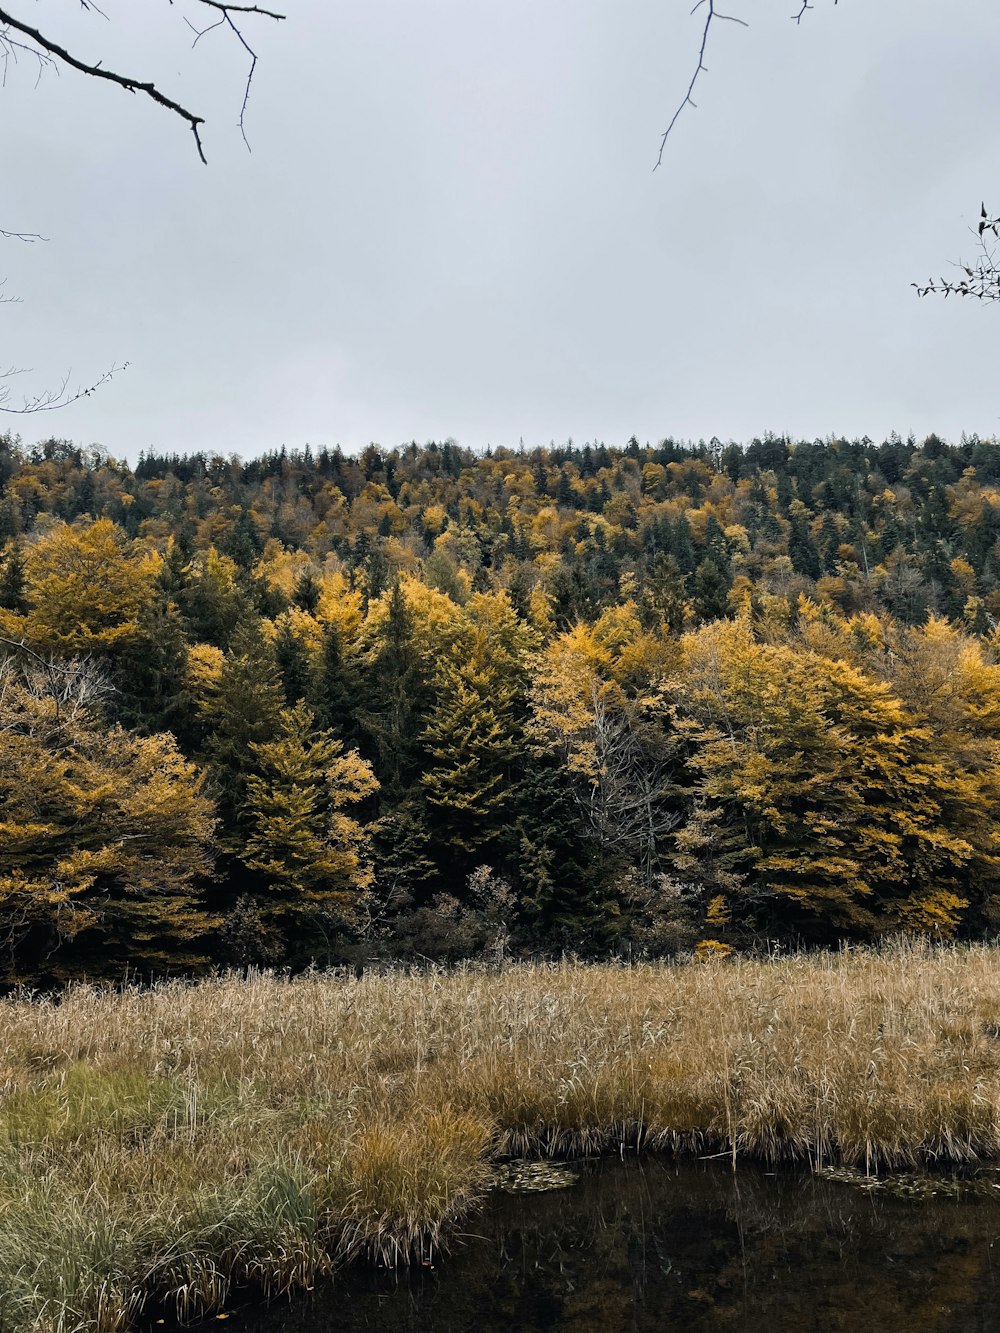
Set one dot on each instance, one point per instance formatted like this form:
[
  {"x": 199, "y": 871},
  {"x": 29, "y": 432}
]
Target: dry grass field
[{"x": 163, "y": 1145}]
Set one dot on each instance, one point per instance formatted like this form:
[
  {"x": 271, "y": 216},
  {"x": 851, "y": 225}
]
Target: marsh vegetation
[{"x": 162, "y": 1146}]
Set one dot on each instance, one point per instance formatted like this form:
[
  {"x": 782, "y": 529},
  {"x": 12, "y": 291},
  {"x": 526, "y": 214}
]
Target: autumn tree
[
  {"x": 472, "y": 740},
  {"x": 244, "y": 710},
  {"x": 104, "y": 835},
  {"x": 310, "y": 854},
  {"x": 596, "y": 705},
  {"x": 820, "y": 802},
  {"x": 84, "y": 586}
]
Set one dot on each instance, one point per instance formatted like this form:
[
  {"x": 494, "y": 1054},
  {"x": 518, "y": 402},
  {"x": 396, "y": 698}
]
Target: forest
[{"x": 428, "y": 703}]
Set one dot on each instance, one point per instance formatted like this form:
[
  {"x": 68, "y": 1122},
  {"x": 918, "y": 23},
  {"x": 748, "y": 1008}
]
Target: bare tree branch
[
  {"x": 981, "y": 281},
  {"x": 226, "y": 12},
  {"x": 51, "y": 400},
  {"x": 712, "y": 13},
  {"x": 46, "y": 51}
]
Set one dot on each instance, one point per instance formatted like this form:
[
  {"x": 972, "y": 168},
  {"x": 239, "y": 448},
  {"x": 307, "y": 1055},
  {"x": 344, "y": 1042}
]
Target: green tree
[
  {"x": 245, "y": 711},
  {"x": 292, "y": 660},
  {"x": 335, "y": 687},
  {"x": 12, "y": 578},
  {"x": 710, "y": 592},
  {"x": 471, "y": 741},
  {"x": 395, "y": 697},
  {"x": 311, "y": 855}
]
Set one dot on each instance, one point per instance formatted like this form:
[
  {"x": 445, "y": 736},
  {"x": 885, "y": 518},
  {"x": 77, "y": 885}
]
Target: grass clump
[{"x": 165, "y": 1145}]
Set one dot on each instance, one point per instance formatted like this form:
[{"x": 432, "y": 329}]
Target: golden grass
[{"x": 167, "y": 1144}]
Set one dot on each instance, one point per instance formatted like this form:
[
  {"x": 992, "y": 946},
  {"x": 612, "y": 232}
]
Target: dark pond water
[{"x": 663, "y": 1245}]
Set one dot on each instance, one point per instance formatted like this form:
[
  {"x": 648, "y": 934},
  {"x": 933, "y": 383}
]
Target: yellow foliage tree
[
  {"x": 103, "y": 834},
  {"x": 85, "y": 586},
  {"x": 823, "y": 802},
  {"x": 311, "y": 855}
]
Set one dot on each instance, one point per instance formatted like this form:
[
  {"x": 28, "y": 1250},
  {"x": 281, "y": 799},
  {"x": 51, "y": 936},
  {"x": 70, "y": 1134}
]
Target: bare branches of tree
[
  {"x": 47, "y": 400},
  {"x": 18, "y": 38},
  {"x": 980, "y": 280},
  {"x": 629, "y": 800},
  {"x": 712, "y": 15},
  {"x": 50, "y": 400}
]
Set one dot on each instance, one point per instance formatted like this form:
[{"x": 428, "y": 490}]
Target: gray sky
[{"x": 449, "y": 225}]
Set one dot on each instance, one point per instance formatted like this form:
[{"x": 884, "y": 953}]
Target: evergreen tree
[
  {"x": 395, "y": 696},
  {"x": 311, "y": 856},
  {"x": 471, "y": 742},
  {"x": 710, "y": 592},
  {"x": 307, "y": 592},
  {"x": 335, "y": 688},
  {"x": 682, "y": 546},
  {"x": 662, "y": 600},
  {"x": 246, "y": 711},
  {"x": 150, "y": 675},
  {"x": 293, "y": 663},
  {"x": 12, "y": 580},
  {"x": 801, "y": 547},
  {"x": 829, "y": 541}
]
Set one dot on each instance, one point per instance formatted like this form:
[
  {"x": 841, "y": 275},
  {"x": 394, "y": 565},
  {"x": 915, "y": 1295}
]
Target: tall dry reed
[{"x": 166, "y": 1144}]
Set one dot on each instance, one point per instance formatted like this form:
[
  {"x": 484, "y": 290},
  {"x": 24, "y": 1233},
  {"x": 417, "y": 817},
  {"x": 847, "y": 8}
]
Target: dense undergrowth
[{"x": 161, "y": 1146}]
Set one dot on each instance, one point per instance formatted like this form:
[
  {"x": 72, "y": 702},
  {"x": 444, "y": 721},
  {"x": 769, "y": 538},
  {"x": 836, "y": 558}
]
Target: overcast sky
[{"x": 449, "y": 224}]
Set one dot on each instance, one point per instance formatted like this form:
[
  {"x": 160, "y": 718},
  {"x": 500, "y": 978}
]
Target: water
[{"x": 662, "y": 1245}]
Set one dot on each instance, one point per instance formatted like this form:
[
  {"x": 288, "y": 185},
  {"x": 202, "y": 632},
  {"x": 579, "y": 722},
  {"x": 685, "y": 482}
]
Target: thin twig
[
  {"x": 701, "y": 68},
  {"x": 51, "y": 400}
]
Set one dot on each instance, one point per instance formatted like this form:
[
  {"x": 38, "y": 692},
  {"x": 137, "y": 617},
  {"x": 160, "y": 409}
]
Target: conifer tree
[
  {"x": 150, "y": 675},
  {"x": 311, "y": 855},
  {"x": 471, "y": 741},
  {"x": 395, "y": 697},
  {"x": 12, "y": 580},
  {"x": 293, "y": 662},
  {"x": 307, "y": 592},
  {"x": 710, "y": 591},
  {"x": 245, "y": 711},
  {"x": 801, "y": 547},
  {"x": 335, "y": 687}
]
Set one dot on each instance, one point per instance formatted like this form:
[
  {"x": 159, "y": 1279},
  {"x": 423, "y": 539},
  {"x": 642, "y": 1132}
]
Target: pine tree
[
  {"x": 801, "y": 547},
  {"x": 710, "y": 591},
  {"x": 246, "y": 711},
  {"x": 150, "y": 674},
  {"x": 12, "y": 580},
  {"x": 307, "y": 592},
  {"x": 293, "y": 663},
  {"x": 682, "y": 546},
  {"x": 335, "y": 687},
  {"x": 471, "y": 741},
  {"x": 395, "y": 696},
  {"x": 309, "y": 853}
]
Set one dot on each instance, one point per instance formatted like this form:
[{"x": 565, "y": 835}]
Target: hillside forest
[{"x": 426, "y": 703}]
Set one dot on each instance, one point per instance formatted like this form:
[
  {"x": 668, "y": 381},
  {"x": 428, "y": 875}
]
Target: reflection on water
[{"x": 661, "y": 1245}]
